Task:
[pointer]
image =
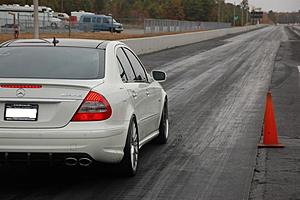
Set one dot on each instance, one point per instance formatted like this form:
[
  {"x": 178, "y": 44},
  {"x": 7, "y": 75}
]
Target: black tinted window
[
  {"x": 87, "y": 19},
  {"x": 106, "y": 20},
  {"x": 51, "y": 63},
  {"x": 126, "y": 65},
  {"x": 99, "y": 20},
  {"x": 122, "y": 72},
  {"x": 138, "y": 69}
]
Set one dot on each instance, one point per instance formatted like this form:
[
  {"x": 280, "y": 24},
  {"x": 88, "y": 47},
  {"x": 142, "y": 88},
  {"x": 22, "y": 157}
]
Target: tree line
[
  {"x": 195, "y": 10},
  {"x": 285, "y": 18}
]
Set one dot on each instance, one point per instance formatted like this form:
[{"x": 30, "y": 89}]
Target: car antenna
[{"x": 55, "y": 41}]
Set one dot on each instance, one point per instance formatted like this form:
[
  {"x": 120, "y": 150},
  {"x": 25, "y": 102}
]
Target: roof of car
[{"x": 59, "y": 42}]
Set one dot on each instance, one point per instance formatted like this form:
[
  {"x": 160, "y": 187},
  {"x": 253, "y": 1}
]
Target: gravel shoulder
[{"x": 277, "y": 173}]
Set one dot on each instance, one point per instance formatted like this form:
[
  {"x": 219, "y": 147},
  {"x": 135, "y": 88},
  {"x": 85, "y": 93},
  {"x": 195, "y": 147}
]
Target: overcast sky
[{"x": 275, "y": 5}]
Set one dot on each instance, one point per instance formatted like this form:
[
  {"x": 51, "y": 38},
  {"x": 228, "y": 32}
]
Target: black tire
[
  {"x": 129, "y": 164},
  {"x": 163, "y": 135}
]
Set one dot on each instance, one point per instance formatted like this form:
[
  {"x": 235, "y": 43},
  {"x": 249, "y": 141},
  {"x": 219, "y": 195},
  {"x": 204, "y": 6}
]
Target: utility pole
[
  {"x": 234, "y": 14},
  {"x": 219, "y": 11},
  {"x": 247, "y": 16},
  {"x": 36, "y": 34},
  {"x": 242, "y": 16}
]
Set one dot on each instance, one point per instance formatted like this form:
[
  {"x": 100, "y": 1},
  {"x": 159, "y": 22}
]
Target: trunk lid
[{"x": 40, "y": 103}]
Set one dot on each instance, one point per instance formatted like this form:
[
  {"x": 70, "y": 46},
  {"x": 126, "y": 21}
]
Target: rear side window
[
  {"x": 125, "y": 65},
  {"x": 122, "y": 72},
  {"x": 87, "y": 19},
  {"x": 52, "y": 63},
  {"x": 137, "y": 67}
]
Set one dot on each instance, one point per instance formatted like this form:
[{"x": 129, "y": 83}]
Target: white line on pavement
[{"x": 299, "y": 68}]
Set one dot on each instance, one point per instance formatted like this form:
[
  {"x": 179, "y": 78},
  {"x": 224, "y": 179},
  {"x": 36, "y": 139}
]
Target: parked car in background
[
  {"x": 78, "y": 102},
  {"x": 99, "y": 23},
  {"x": 61, "y": 16}
]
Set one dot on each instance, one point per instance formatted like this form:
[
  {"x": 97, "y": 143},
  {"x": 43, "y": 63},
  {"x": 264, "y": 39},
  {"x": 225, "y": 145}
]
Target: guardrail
[
  {"x": 158, "y": 43},
  {"x": 165, "y": 25}
]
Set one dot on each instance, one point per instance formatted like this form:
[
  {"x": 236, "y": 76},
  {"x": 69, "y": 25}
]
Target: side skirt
[{"x": 149, "y": 138}]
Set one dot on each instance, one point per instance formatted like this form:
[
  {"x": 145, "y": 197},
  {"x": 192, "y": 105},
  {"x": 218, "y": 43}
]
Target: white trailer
[
  {"x": 24, "y": 16},
  {"x": 78, "y": 14}
]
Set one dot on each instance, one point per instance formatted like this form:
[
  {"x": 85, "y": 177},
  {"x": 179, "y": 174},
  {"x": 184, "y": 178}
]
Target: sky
[{"x": 275, "y": 5}]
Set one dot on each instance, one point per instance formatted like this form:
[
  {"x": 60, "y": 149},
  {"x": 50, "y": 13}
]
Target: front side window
[{"x": 52, "y": 63}]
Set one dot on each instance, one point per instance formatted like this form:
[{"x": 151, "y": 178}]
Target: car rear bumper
[{"x": 103, "y": 145}]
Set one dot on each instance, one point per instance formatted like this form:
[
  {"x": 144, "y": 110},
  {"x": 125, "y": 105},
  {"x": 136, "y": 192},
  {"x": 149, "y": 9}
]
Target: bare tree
[{"x": 245, "y": 7}]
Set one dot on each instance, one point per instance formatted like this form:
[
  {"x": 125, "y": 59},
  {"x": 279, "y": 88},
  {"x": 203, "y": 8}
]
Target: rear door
[
  {"x": 86, "y": 23},
  {"x": 134, "y": 88},
  {"x": 106, "y": 25},
  {"x": 98, "y": 25},
  {"x": 150, "y": 103}
]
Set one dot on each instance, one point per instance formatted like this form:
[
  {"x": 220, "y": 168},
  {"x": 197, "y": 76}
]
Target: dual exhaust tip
[{"x": 84, "y": 162}]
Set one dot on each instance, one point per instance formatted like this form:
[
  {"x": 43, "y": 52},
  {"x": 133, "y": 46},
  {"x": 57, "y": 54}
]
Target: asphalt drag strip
[{"x": 216, "y": 93}]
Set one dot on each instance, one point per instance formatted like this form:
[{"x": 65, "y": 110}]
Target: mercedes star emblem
[{"x": 20, "y": 92}]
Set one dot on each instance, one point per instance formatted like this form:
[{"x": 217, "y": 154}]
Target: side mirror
[{"x": 159, "y": 76}]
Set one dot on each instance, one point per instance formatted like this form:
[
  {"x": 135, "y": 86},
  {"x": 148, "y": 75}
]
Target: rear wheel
[
  {"x": 163, "y": 135},
  {"x": 129, "y": 163}
]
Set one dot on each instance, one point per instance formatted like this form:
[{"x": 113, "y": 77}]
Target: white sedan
[{"x": 77, "y": 102}]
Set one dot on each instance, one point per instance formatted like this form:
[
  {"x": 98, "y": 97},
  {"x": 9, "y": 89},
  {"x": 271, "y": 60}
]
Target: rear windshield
[{"x": 51, "y": 63}]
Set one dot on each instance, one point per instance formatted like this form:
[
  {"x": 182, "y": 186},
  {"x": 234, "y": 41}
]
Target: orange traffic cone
[{"x": 270, "y": 129}]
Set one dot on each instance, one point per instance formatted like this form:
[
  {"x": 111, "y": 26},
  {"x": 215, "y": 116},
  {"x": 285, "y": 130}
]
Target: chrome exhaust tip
[
  {"x": 85, "y": 162},
  {"x": 70, "y": 161}
]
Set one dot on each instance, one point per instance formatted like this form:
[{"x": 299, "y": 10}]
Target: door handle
[
  {"x": 147, "y": 93},
  {"x": 134, "y": 94}
]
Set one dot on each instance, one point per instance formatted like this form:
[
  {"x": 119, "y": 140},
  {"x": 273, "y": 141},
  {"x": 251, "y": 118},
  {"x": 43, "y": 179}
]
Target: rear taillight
[{"x": 94, "y": 108}]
